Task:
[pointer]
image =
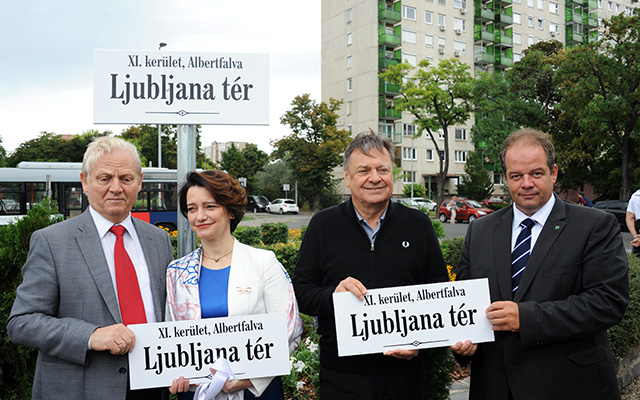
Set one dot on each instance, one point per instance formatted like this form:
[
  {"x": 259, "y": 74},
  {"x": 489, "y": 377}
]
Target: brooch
[{"x": 246, "y": 290}]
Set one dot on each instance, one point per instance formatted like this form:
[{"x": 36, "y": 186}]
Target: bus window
[
  {"x": 73, "y": 200},
  {"x": 141, "y": 203}
]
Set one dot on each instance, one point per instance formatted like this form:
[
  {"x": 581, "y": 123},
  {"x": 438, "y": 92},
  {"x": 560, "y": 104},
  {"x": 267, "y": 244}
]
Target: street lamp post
[{"x": 160, "y": 46}]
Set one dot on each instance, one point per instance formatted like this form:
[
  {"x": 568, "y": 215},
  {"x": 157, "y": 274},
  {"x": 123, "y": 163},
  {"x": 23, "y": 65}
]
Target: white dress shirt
[
  {"x": 540, "y": 217},
  {"x": 134, "y": 249}
]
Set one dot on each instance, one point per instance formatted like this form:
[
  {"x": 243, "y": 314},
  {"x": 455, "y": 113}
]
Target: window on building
[
  {"x": 553, "y": 27},
  {"x": 517, "y": 57},
  {"x": 349, "y": 61},
  {"x": 517, "y": 18},
  {"x": 440, "y": 134},
  {"x": 349, "y": 84},
  {"x": 530, "y": 3},
  {"x": 610, "y": 6},
  {"x": 540, "y": 23},
  {"x": 459, "y": 23},
  {"x": 349, "y": 108},
  {"x": 409, "y": 153},
  {"x": 429, "y": 155},
  {"x": 460, "y": 46},
  {"x": 530, "y": 22},
  {"x": 409, "y": 177},
  {"x": 349, "y": 15},
  {"x": 460, "y": 156},
  {"x": 428, "y": 40},
  {"x": 617, "y": 8},
  {"x": 409, "y": 130},
  {"x": 517, "y": 1},
  {"x": 458, "y": 4},
  {"x": 540, "y": 4},
  {"x": 554, "y": 8},
  {"x": 349, "y": 128},
  {"x": 460, "y": 134},
  {"x": 409, "y": 13},
  {"x": 498, "y": 179},
  {"x": 428, "y": 17},
  {"x": 442, "y": 20},
  {"x": 349, "y": 38},
  {"x": 408, "y": 36},
  {"x": 412, "y": 59},
  {"x": 442, "y": 155},
  {"x": 386, "y": 129},
  {"x": 517, "y": 38},
  {"x": 442, "y": 2},
  {"x": 599, "y": 3},
  {"x": 531, "y": 40}
]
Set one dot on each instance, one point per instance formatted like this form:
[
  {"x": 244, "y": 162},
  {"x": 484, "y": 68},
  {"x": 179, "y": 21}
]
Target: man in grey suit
[
  {"x": 68, "y": 307},
  {"x": 554, "y": 298}
]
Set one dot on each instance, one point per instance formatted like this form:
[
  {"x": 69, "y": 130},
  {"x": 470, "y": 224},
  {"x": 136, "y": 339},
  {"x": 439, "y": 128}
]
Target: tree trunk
[{"x": 316, "y": 203}]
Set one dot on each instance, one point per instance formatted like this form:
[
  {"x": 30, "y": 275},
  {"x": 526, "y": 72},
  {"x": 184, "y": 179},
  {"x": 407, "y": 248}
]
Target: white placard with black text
[
  {"x": 412, "y": 317},
  {"x": 255, "y": 346}
]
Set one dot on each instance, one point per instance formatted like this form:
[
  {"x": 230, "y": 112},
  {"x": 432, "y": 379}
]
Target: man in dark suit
[
  {"x": 568, "y": 285},
  {"x": 68, "y": 306}
]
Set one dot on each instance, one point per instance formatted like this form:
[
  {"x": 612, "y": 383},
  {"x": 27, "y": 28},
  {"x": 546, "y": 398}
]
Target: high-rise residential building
[
  {"x": 360, "y": 38},
  {"x": 215, "y": 150}
]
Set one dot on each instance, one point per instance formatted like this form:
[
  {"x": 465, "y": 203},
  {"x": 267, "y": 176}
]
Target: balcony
[
  {"x": 503, "y": 3},
  {"x": 503, "y": 40},
  {"x": 483, "y": 14},
  {"x": 396, "y": 137},
  {"x": 590, "y": 20},
  {"x": 592, "y": 4},
  {"x": 572, "y": 3},
  {"x": 389, "y": 40},
  {"x": 484, "y": 58},
  {"x": 485, "y": 36},
  {"x": 388, "y": 88},
  {"x": 502, "y": 19},
  {"x": 574, "y": 37},
  {"x": 389, "y": 16},
  {"x": 503, "y": 61}
]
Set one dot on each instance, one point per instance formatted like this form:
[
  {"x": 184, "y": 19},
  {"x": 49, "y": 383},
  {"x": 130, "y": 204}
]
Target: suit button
[{"x": 122, "y": 370}]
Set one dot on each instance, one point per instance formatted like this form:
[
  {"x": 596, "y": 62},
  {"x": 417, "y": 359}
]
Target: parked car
[
  {"x": 257, "y": 203},
  {"x": 617, "y": 208},
  {"x": 406, "y": 201},
  {"x": 493, "y": 200},
  {"x": 426, "y": 203},
  {"x": 468, "y": 210},
  {"x": 282, "y": 206}
]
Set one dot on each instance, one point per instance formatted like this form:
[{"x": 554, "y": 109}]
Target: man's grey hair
[
  {"x": 365, "y": 142},
  {"x": 531, "y": 136},
  {"x": 106, "y": 144}
]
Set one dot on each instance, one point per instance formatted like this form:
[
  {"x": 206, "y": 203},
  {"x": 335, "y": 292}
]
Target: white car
[
  {"x": 426, "y": 203},
  {"x": 282, "y": 206}
]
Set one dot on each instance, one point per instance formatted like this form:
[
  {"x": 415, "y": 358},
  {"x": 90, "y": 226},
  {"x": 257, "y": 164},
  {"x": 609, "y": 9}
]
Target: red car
[{"x": 468, "y": 210}]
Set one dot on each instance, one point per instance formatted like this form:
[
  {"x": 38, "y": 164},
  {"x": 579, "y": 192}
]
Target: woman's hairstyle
[{"x": 224, "y": 188}]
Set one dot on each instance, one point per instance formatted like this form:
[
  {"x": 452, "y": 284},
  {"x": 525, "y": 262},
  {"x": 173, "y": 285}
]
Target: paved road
[{"x": 295, "y": 221}]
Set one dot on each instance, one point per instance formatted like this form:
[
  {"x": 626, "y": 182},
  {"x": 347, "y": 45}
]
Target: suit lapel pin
[
  {"x": 405, "y": 244},
  {"x": 557, "y": 227}
]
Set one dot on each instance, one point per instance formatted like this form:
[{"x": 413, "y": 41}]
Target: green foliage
[
  {"x": 51, "y": 147},
  {"x": 274, "y": 233},
  {"x": 249, "y": 235},
  {"x": 271, "y": 179},
  {"x": 451, "y": 251},
  {"x": 17, "y": 363},
  {"x": 315, "y": 146},
  {"x": 477, "y": 184},
  {"x": 245, "y": 163},
  {"x": 3, "y": 155},
  {"x": 438, "y": 366},
  {"x": 438, "y": 98},
  {"x": 304, "y": 379},
  {"x": 626, "y": 335},
  {"x": 286, "y": 253},
  {"x": 439, "y": 228},
  {"x": 419, "y": 190}
]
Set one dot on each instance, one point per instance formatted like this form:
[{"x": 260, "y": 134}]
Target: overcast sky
[{"x": 46, "y": 56}]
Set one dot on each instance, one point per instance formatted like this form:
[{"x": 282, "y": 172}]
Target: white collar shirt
[
  {"x": 136, "y": 254},
  {"x": 540, "y": 217}
]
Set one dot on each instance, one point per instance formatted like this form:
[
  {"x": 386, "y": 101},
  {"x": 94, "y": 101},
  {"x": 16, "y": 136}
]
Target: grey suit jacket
[
  {"x": 67, "y": 293},
  {"x": 574, "y": 288}
]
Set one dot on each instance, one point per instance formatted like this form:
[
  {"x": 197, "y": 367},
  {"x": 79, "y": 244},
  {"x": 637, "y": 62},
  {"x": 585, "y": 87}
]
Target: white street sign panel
[
  {"x": 412, "y": 317},
  {"x": 157, "y": 87}
]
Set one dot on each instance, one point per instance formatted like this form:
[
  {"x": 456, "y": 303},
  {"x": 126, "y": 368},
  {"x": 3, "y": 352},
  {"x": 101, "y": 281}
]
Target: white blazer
[{"x": 258, "y": 284}]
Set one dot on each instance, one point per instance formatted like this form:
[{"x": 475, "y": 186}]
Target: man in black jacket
[{"x": 366, "y": 242}]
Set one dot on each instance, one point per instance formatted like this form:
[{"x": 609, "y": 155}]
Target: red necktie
[{"x": 129, "y": 297}]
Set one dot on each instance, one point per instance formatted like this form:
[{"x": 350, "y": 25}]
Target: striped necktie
[{"x": 520, "y": 253}]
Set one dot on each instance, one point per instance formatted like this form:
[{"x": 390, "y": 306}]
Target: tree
[
  {"x": 601, "y": 82},
  {"x": 314, "y": 148},
  {"x": 437, "y": 97},
  {"x": 245, "y": 163},
  {"x": 272, "y": 177},
  {"x": 145, "y": 137},
  {"x": 51, "y": 147},
  {"x": 418, "y": 190},
  {"x": 477, "y": 184},
  {"x": 3, "y": 155}
]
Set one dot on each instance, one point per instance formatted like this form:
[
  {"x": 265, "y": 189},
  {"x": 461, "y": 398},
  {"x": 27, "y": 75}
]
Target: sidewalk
[{"x": 459, "y": 390}]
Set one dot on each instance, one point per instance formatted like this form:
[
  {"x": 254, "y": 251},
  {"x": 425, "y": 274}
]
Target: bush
[
  {"x": 273, "y": 233},
  {"x": 303, "y": 381},
  {"x": 626, "y": 335},
  {"x": 286, "y": 253},
  {"x": 17, "y": 363},
  {"x": 250, "y": 235},
  {"x": 438, "y": 365},
  {"x": 451, "y": 251}
]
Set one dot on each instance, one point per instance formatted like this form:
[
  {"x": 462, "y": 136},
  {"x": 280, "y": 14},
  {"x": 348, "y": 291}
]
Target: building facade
[
  {"x": 215, "y": 149},
  {"x": 360, "y": 38}
]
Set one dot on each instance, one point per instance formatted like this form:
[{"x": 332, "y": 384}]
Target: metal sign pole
[{"x": 186, "y": 163}]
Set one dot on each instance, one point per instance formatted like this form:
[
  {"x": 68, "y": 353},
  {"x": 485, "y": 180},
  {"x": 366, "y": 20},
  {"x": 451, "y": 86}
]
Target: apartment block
[
  {"x": 215, "y": 149},
  {"x": 360, "y": 38}
]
